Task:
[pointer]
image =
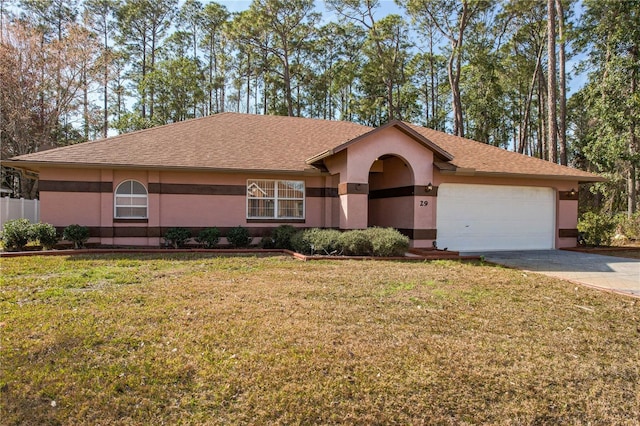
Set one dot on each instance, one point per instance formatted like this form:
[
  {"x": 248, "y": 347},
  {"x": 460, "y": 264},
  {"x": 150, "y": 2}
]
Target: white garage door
[{"x": 491, "y": 217}]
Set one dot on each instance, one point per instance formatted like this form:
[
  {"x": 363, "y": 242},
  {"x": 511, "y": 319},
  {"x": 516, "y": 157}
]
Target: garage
[{"x": 494, "y": 217}]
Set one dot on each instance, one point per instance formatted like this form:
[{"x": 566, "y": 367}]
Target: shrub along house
[{"x": 259, "y": 172}]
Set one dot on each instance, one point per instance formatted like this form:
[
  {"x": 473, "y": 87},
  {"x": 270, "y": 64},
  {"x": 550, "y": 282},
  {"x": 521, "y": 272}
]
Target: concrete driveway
[{"x": 606, "y": 272}]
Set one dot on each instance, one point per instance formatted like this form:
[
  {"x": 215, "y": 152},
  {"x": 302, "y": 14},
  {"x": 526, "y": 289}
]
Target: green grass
[{"x": 197, "y": 339}]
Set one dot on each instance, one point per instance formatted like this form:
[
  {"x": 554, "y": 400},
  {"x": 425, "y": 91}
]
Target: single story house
[{"x": 259, "y": 172}]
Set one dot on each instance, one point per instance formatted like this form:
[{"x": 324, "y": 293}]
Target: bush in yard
[
  {"x": 281, "y": 236},
  {"x": 387, "y": 242},
  {"x": 356, "y": 243},
  {"x": 76, "y": 234},
  {"x": 300, "y": 244},
  {"x": 629, "y": 227},
  {"x": 383, "y": 242},
  {"x": 239, "y": 237},
  {"x": 596, "y": 229},
  {"x": 46, "y": 234},
  {"x": 317, "y": 241},
  {"x": 267, "y": 243},
  {"x": 16, "y": 234},
  {"x": 177, "y": 237},
  {"x": 209, "y": 237}
]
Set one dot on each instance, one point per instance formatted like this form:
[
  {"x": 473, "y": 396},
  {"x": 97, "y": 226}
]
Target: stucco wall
[{"x": 86, "y": 197}]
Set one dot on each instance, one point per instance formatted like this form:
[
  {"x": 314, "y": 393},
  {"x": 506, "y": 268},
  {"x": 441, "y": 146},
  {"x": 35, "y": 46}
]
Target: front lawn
[{"x": 193, "y": 339}]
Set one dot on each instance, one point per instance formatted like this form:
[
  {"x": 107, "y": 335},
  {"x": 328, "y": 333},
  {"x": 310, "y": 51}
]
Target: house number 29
[{"x": 424, "y": 203}]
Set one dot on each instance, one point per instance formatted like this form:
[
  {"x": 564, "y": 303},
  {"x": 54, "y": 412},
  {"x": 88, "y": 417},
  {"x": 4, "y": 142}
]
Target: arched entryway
[{"x": 391, "y": 186}]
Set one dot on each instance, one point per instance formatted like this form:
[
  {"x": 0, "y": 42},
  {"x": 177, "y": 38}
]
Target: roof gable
[{"x": 403, "y": 127}]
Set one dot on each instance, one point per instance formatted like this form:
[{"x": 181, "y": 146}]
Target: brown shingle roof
[
  {"x": 232, "y": 141},
  {"x": 227, "y": 141},
  {"x": 479, "y": 158}
]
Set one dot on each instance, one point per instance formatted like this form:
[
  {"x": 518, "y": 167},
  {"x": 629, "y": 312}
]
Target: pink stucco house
[{"x": 260, "y": 171}]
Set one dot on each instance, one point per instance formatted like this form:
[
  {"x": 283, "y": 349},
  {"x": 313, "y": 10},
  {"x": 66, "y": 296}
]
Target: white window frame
[
  {"x": 116, "y": 205},
  {"x": 276, "y": 199}
]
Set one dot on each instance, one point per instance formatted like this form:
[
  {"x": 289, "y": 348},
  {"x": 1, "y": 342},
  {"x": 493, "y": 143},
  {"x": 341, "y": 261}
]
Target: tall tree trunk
[
  {"x": 562, "y": 119},
  {"x": 454, "y": 82},
  {"x": 248, "y": 81},
  {"x": 542, "y": 134},
  {"x": 432, "y": 73},
  {"x": 527, "y": 108},
  {"x": 633, "y": 143},
  {"x": 552, "y": 131},
  {"x": 287, "y": 85},
  {"x": 105, "y": 84},
  {"x": 152, "y": 67},
  {"x": 391, "y": 114},
  {"x": 143, "y": 95},
  {"x": 85, "y": 103}
]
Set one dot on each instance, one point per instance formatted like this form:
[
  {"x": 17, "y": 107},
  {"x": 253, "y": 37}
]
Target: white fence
[{"x": 18, "y": 208}]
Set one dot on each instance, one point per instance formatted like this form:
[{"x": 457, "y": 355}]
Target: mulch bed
[{"x": 415, "y": 254}]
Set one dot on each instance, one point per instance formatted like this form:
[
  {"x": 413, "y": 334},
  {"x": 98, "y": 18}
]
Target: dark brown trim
[
  {"x": 321, "y": 192},
  {"x": 74, "y": 186},
  {"x": 169, "y": 188},
  {"x": 568, "y": 233},
  {"x": 276, "y": 220},
  {"x": 158, "y": 232},
  {"x": 105, "y": 232},
  {"x": 353, "y": 188},
  {"x": 419, "y": 234},
  {"x": 567, "y": 195},
  {"x": 403, "y": 191},
  {"x": 196, "y": 189},
  {"x": 130, "y": 220},
  {"x": 133, "y": 231}
]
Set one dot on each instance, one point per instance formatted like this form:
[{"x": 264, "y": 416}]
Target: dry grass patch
[{"x": 205, "y": 340}]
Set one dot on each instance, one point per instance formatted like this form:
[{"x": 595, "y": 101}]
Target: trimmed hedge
[
  {"x": 280, "y": 238},
  {"x": 177, "y": 237},
  {"x": 208, "y": 237},
  {"x": 45, "y": 234},
  {"x": 317, "y": 241},
  {"x": 77, "y": 234},
  {"x": 387, "y": 242},
  {"x": 379, "y": 242},
  {"x": 239, "y": 237},
  {"x": 356, "y": 243},
  {"x": 16, "y": 234}
]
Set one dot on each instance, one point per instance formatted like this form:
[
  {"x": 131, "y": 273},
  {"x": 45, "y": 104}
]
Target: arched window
[{"x": 130, "y": 200}]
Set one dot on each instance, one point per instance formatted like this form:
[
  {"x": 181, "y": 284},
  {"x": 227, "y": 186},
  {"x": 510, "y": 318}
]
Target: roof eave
[
  {"x": 36, "y": 166},
  {"x": 472, "y": 172},
  {"x": 319, "y": 157}
]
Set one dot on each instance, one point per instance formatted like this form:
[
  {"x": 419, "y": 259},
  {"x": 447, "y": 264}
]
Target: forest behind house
[{"x": 497, "y": 72}]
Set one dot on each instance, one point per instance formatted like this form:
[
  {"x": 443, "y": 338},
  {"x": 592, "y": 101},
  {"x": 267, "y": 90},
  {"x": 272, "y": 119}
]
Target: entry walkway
[{"x": 606, "y": 272}]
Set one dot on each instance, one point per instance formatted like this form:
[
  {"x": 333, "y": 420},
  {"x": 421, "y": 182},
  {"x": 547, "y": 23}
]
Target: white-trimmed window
[
  {"x": 131, "y": 201},
  {"x": 275, "y": 199}
]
